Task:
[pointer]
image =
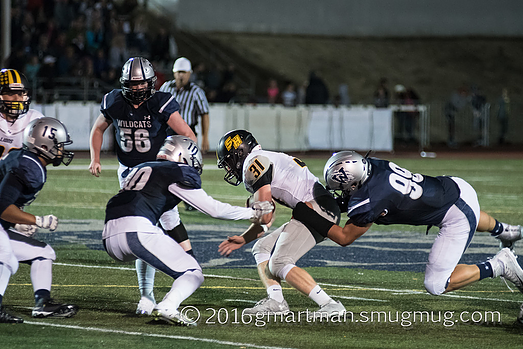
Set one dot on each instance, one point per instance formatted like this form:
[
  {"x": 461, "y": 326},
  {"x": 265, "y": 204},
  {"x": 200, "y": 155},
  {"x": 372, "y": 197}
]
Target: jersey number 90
[{"x": 139, "y": 140}]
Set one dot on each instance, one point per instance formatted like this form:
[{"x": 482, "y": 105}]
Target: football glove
[
  {"x": 47, "y": 222},
  {"x": 26, "y": 229},
  {"x": 261, "y": 208}
]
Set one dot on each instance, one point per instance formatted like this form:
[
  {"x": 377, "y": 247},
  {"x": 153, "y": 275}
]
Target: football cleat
[
  {"x": 145, "y": 306},
  {"x": 268, "y": 306},
  {"x": 172, "y": 317},
  {"x": 510, "y": 234},
  {"x": 505, "y": 264},
  {"x": 50, "y": 309},
  {"x": 327, "y": 311},
  {"x": 6, "y": 318}
]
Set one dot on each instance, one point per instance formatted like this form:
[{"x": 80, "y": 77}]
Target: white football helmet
[
  {"x": 47, "y": 137},
  {"x": 346, "y": 171},
  {"x": 181, "y": 149},
  {"x": 136, "y": 71}
]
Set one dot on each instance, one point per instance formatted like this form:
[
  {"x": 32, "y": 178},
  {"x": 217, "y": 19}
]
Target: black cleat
[
  {"x": 50, "y": 309},
  {"x": 6, "y": 318}
]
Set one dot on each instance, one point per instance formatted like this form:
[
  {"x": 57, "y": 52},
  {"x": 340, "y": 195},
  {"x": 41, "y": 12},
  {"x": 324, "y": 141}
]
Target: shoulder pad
[
  {"x": 258, "y": 167},
  {"x": 190, "y": 177}
]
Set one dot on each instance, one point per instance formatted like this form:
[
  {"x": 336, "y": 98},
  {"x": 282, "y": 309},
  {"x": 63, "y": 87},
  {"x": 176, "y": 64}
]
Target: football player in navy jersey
[
  {"x": 378, "y": 191},
  {"x": 140, "y": 116},
  {"x": 151, "y": 188},
  {"x": 22, "y": 175}
]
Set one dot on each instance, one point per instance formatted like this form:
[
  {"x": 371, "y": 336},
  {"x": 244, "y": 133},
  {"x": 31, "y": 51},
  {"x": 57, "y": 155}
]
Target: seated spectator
[{"x": 31, "y": 68}]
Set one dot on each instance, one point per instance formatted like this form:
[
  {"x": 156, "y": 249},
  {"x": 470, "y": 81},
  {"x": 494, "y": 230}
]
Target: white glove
[
  {"x": 260, "y": 209},
  {"x": 47, "y": 222},
  {"x": 26, "y": 229}
]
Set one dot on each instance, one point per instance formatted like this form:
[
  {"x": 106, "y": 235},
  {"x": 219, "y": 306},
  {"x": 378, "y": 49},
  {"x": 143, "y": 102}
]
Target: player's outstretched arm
[
  {"x": 342, "y": 236},
  {"x": 95, "y": 145}
]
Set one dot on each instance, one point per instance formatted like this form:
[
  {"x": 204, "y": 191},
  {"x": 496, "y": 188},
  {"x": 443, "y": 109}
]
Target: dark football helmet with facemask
[
  {"x": 232, "y": 150},
  {"x": 13, "y": 82},
  {"x": 47, "y": 137},
  {"x": 137, "y": 71}
]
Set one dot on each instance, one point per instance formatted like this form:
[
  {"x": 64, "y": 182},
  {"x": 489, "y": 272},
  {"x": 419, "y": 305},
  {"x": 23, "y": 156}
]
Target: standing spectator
[
  {"x": 479, "y": 113},
  {"x": 302, "y": 93},
  {"x": 288, "y": 96},
  {"x": 317, "y": 92},
  {"x": 343, "y": 93},
  {"x": 458, "y": 101},
  {"x": 503, "y": 115},
  {"x": 273, "y": 91},
  {"x": 381, "y": 95}
]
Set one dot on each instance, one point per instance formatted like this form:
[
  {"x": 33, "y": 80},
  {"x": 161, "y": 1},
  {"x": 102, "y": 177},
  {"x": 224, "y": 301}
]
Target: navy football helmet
[{"x": 137, "y": 71}]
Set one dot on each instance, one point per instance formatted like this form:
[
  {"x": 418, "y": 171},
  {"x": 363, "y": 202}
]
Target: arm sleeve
[{"x": 199, "y": 199}]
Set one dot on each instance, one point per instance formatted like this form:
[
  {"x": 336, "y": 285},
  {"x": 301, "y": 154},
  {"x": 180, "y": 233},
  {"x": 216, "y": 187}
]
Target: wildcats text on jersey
[{"x": 134, "y": 124}]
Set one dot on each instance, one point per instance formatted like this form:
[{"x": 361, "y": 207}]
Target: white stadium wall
[{"x": 275, "y": 127}]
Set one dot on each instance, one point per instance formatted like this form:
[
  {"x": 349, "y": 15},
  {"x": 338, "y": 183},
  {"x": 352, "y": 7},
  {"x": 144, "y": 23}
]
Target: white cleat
[
  {"x": 268, "y": 306},
  {"x": 145, "y": 306},
  {"x": 328, "y": 311},
  {"x": 505, "y": 264},
  {"x": 172, "y": 317},
  {"x": 510, "y": 234}
]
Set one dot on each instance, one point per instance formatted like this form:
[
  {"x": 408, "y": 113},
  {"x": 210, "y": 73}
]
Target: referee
[{"x": 191, "y": 98}]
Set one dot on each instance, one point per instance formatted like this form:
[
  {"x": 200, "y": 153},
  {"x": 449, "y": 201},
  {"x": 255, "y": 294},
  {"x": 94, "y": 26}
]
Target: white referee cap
[{"x": 182, "y": 64}]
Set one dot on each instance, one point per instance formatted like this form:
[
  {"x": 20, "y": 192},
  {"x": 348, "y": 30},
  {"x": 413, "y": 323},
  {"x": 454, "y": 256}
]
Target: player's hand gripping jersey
[
  {"x": 394, "y": 195},
  {"x": 139, "y": 132}
]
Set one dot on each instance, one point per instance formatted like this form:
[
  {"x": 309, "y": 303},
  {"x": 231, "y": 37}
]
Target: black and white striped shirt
[{"x": 192, "y": 101}]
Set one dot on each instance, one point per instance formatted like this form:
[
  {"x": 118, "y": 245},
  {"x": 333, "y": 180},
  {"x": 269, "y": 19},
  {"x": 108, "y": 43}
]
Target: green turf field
[{"x": 390, "y": 309}]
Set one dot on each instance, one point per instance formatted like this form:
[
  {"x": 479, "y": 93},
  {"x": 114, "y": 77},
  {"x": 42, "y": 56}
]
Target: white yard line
[
  {"x": 390, "y": 290},
  {"x": 188, "y": 338}
]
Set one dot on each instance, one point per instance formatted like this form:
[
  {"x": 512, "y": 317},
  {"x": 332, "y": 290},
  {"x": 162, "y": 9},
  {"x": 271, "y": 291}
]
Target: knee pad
[
  {"x": 196, "y": 275},
  {"x": 279, "y": 267},
  {"x": 48, "y": 253},
  {"x": 263, "y": 246},
  {"x": 436, "y": 287},
  {"x": 11, "y": 264}
]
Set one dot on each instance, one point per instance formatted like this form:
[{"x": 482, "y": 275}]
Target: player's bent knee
[
  {"x": 435, "y": 287},
  {"x": 279, "y": 267},
  {"x": 262, "y": 247},
  {"x": 48, "y": 253},
  {"x": 196, "y": 275}
]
